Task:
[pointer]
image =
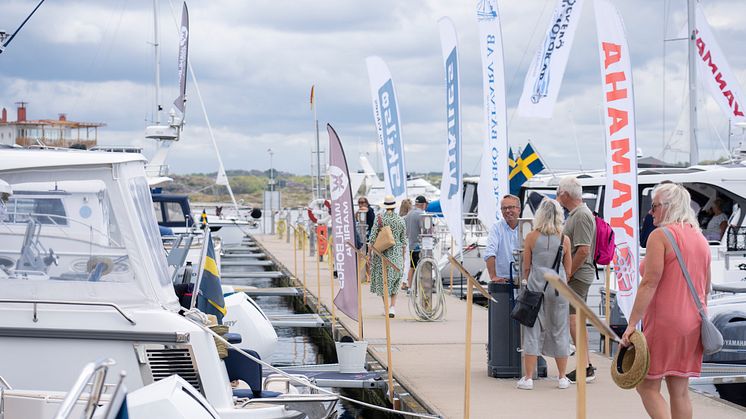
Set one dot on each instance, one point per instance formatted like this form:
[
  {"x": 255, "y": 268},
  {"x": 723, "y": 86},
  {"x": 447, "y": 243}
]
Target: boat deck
[{"x": 428, "y": 360}]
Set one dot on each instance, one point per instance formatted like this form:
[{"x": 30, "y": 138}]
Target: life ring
[{"x": 319, "y": 211}]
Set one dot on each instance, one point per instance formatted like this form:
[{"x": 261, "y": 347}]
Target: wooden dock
[{"x": 428, "y": 360}]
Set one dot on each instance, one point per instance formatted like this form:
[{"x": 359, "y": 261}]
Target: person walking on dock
[
  {"x": 670, "y": 318},
  {"x": 413, "y": 221},
  {"x": 395, "y": 253},
  {"x": 546, "y": 248},
  {"x": 502, "y": 241},
  {"x": 580, "y": 228}
]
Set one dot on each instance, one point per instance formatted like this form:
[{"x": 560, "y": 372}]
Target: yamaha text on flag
[{"x": 451, "y": 184}]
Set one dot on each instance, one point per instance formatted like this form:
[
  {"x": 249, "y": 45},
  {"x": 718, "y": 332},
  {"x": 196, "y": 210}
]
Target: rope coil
[{"x": 428, "y": 306}]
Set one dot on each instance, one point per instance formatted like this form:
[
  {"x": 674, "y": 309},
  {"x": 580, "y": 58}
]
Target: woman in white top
[{"x": 718, "y": 223}]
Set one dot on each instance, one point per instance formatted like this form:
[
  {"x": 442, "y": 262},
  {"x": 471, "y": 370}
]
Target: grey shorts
[{"x": 580, "y": 288}]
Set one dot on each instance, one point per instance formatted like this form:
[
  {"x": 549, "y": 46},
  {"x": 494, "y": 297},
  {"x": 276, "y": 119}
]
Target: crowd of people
[{"x": 563, "y": 239}]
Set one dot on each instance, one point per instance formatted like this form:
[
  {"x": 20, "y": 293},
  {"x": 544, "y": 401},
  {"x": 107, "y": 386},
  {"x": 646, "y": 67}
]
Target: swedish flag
[
  {"x": 523, "y": 169},
  {"x": 210, "y": 296}
]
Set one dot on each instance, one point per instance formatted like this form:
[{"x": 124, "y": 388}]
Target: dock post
[
  {"x": 303, "y": 256},
  {"x": 318, "y": 280},
  {"x": 389, "y": 368},
  {"x": 467, "y": 367},
  {"x": 607, "y": 306},
  {"x": 295, "y": 252},
  {"x": 451, "y": 253},
  {"x": 581, "y": 346},
  {"x": 330, "y": 258}
]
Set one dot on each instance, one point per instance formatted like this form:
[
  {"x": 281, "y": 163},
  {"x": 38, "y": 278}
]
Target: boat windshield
[{"x": 62, "y": 231}]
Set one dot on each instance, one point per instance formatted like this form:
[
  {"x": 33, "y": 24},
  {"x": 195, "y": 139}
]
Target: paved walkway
[{"x": 428, "y": 360}]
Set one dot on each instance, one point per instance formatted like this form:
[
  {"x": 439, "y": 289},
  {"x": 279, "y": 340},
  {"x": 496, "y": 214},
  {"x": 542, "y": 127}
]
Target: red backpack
[{"x": 605, "y": 245}]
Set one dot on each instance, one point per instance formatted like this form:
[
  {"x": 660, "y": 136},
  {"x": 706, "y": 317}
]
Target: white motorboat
[{"x": 69, "y": 297}]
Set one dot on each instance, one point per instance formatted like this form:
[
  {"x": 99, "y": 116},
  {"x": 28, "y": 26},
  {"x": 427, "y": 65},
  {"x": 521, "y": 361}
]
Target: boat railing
[
  {"x": 93, "y": 375},
  {"x": 73, "y": 303},
  {"x": 3, "y": 386}
]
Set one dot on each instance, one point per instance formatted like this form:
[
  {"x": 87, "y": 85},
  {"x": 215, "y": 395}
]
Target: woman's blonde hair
[
  {"x": 549, "y": 217},
  {"x": 678, "y": 203},
  {"x": 406, "y": 206}
]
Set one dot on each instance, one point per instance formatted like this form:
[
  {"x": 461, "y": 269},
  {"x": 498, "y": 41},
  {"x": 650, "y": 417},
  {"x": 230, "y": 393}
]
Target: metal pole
[
  {"x": 607, "y": 306},
  {"x": 157, "y": 64},
  {"x": 467, "y": 366},
  {"x": 692, "y": 25}
]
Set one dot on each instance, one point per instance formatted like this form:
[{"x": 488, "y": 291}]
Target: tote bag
[{"x": 385, "y": 238}]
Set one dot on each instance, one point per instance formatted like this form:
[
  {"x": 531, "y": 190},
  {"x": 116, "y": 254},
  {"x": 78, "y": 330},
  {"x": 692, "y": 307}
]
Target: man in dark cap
[{"x": 413, "y": 222}]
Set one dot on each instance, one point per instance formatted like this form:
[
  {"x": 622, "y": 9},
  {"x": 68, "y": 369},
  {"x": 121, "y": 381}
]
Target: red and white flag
[{"x": 620, "y": 204}]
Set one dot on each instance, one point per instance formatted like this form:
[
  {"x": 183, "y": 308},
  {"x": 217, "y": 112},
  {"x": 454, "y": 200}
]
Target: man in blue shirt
[{"x": 502, "y": 240}]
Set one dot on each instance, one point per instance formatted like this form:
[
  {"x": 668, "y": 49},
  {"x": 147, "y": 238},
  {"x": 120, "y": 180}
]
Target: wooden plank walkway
[{"x": 428, "y": 360}]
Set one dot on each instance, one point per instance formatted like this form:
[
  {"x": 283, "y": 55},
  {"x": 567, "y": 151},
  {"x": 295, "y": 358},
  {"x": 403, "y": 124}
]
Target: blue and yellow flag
[
  {"x": 523, "y": 169},
  {"x": 210, "y": 296}
]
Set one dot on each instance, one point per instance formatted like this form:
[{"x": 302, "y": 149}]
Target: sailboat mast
[
  {"x": 318, "y": 156},
  {"x": 156, "y": 46},
  {"x": 692, "y": 25}
]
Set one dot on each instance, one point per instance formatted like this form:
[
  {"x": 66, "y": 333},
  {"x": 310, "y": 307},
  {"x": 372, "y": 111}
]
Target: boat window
[
  {"x": 175, "y": 212},
  {"x": 158, "y": 212},
  {"x": 40, "y": 240},
  {"x": 146, "y": 220},
  {"x": 43, "y": 210}
]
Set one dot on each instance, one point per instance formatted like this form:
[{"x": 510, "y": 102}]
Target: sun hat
[
  {"x": 631, "y": 363},
  {"x": 389, "y": 202}
]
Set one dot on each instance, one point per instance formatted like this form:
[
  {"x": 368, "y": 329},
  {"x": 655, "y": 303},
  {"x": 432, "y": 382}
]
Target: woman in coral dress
[{"x": 670, "y": 320}]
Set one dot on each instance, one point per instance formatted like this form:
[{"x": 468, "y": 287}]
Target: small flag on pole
[
  {"x": 312, "y": 86},
  {"x": 523, "y": 169},
  {"x": 210, "y": 297}
]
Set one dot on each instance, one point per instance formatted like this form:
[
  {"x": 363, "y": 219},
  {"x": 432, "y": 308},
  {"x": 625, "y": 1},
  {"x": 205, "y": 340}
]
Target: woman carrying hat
[
  {"x": 395, "y": 253},
  {"x": 664, "y": 303}
]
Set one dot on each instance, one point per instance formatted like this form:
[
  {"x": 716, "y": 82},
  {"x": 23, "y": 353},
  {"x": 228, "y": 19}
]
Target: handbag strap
[
  {"x": 556, "y": 263},
  {"x": 684, "y": 270}
]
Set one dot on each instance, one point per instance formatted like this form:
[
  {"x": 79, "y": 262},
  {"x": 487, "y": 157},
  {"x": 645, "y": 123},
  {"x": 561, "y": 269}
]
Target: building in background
[{"x": 46, "y": 132}]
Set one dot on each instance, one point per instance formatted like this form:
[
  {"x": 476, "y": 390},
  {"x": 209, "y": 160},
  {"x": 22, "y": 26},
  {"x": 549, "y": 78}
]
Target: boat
[{"x": 69, "y": 297}]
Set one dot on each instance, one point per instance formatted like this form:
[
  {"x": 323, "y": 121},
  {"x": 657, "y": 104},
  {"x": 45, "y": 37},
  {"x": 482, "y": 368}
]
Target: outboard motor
[{"x": 732, "y": 325}]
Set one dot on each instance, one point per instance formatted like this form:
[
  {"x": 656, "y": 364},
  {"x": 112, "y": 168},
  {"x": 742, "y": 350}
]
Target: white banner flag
[
  {"x": 621, "y": 202},
  {"x": 386, "y": 117},
  {"x": 493, "y": 178},
  {"x": 451, "y": 184},
  {"x": 719, "y": 79},
  {"x": 544, "y": 78}
]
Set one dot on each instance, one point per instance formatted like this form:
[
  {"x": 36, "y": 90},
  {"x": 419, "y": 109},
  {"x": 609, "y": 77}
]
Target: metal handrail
[
  {"x": 93, "y": 371},
  {"x": 72, "y": 303},
  {"x": 5, "y": 383}
]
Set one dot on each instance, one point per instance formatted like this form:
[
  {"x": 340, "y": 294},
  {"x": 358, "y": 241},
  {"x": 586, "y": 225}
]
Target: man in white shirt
[{"x": 502, "y": 241}]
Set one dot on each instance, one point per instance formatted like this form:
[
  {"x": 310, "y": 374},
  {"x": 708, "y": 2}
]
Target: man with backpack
[{"x": 580, "y": 228}]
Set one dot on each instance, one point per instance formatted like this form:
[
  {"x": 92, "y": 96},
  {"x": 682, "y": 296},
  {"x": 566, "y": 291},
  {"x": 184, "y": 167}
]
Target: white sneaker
[
  {"x": 392, "y": 312},
  {"x": 564, "y": 382},
  {"x": 525, "y": 384}
]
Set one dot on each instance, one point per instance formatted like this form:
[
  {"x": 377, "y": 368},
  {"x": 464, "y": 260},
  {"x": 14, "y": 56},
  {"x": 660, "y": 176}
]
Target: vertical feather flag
[{"x": 210, "y": 296}]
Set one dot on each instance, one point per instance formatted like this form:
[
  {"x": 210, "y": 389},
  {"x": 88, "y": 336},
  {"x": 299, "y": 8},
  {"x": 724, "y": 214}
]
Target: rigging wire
[{"x": 7, "y": 42}]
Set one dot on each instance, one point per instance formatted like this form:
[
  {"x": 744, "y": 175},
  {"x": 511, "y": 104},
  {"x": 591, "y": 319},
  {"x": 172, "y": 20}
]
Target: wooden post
[
  {"x": 607, "y": 306},
  {"x": 318, "y": 279},
  {"x": 451, "y": 254},
  {"x": 581, "y": 346},
  {"x": 295, "y": 252},
  {"x": 330, "y": 258},
  {"x": 303, "y": 259},
  {"x": 388, "y": 327},
  {"x": 467, "y": 367}
]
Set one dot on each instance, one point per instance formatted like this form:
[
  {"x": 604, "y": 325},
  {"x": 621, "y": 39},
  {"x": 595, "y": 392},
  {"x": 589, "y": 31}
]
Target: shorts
[
  {"x": 580, "y": 288},
  {"x": 414, "y": 259}
]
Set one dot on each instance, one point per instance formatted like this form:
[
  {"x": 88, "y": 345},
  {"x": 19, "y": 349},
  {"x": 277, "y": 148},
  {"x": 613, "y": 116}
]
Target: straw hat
[
  {"x": 389, "y": 202},
  {"x": 631, "y": 363}
]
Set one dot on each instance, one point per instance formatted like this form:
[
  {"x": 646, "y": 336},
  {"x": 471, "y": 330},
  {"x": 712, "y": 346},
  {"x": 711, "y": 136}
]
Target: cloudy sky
[{"x": 255, "y": 62}]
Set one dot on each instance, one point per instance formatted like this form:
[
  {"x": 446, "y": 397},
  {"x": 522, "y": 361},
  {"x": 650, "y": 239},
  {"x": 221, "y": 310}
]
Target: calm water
[{"x": 301, "y": 346}]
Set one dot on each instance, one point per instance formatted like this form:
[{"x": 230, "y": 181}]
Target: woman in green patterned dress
[{"x": 395, "y": 253}]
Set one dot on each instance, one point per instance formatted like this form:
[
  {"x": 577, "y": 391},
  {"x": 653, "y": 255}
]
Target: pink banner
[{"x": 343, "y": 227}]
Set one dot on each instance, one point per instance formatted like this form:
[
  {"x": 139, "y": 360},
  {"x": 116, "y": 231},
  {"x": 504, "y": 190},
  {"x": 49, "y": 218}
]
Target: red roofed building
[{"x": 46, "y": 132}]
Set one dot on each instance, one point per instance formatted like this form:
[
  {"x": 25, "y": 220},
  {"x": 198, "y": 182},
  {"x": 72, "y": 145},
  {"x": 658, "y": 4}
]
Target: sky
[{"x": 255, "y": 62}]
